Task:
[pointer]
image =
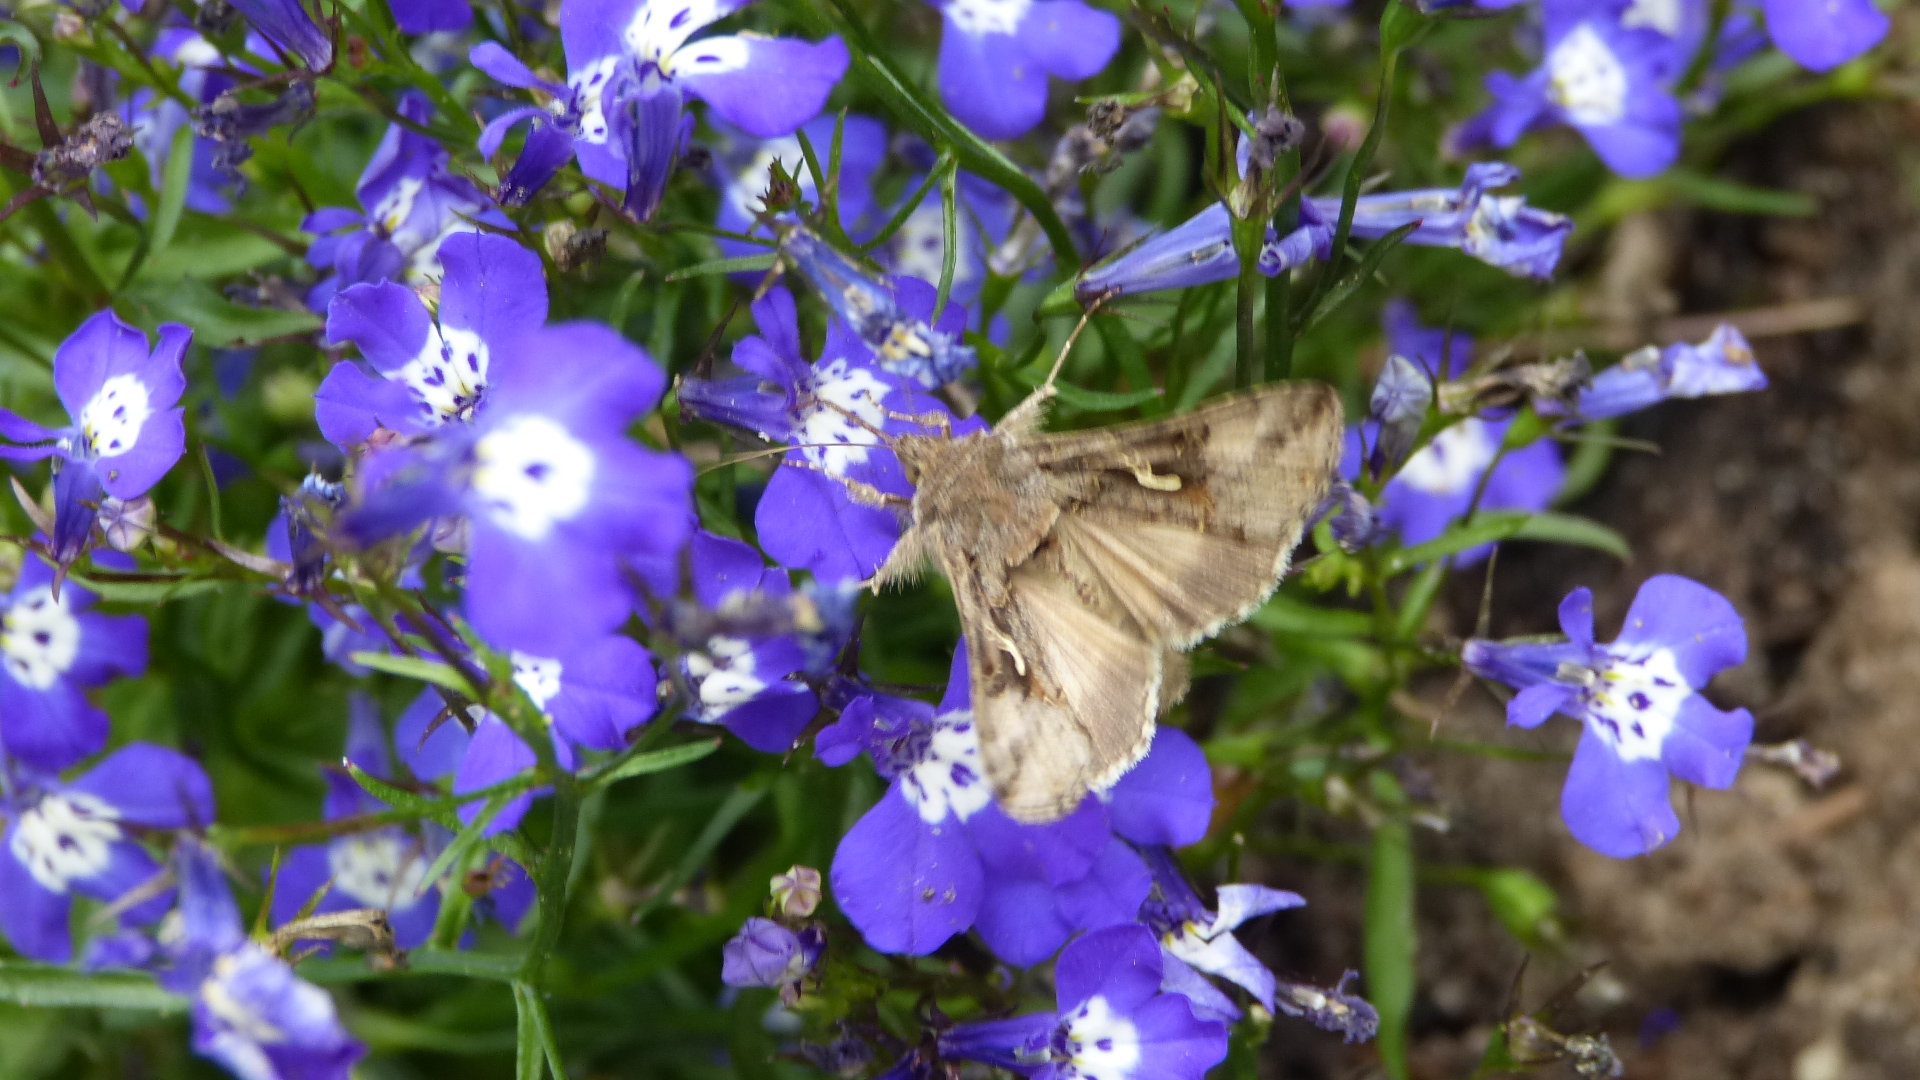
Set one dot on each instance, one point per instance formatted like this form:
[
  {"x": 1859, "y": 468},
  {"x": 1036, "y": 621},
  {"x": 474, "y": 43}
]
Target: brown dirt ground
[{"x": 1782, "y": 928}]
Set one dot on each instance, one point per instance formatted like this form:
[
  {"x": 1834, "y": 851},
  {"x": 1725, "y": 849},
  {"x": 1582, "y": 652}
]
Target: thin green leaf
[
  {"x": 173, "y": 191},
  {"x": 1493, "y": 526},
  {"x": 533, "y": 1015},
  {"x": 40, "y": 986},
  {"x": 949, "y": 240},
  {"x": 739, "y": 264},
  {"x": 1284, "y": 614},
  {"x": 147, "y": 592},
  {"x": 528, "y": 1053},
  {"x": 216, "y": 321},
  {"x": 1389, "y": 937},
  {"x": 1103, "y": 400},
  {"x": 652, "y": 762},
  {"x": 413, "y": 667},
  {"x": 1369, "y": 263},
  {"x": 470, "y": 837},
  {"x": 738, "y": 803}
]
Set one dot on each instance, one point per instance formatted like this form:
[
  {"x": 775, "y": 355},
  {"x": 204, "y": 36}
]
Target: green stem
[
  {"x": 1389, "y": 941},
  {"x": 556, "y": 866}
]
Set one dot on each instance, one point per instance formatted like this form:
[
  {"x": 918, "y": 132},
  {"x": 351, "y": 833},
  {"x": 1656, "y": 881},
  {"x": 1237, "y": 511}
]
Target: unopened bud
[
  {"x": 128, "y": 524},
  {"x": 797, "y": 892}
]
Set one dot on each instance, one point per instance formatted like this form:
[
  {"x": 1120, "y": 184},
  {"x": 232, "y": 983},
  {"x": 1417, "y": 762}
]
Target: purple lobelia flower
[
  {"x": 1114, "y": 1020},
  {"x": 127, "y": 430},
  {"x": 1602, "y": 76},
  {"x": 745, "y": 677},
  {"x": 421, "y": 372},
  {"x": 996, "y": 55},
  {"x": 765, "y": 953},
  {"x": 935, "y": 856},
  {"x": 1639, "y": 703},
  {"x": 631, "y": 66},
  {"x": 592, "y": 697},
  {"x": 289, "y": 26},
  {"x": 383, "y": 868},
  {"x": 1821, "y": 35},
  {"x": 1722, "y": 364},
  {"x": 741, "y": 164},
  {"x": 432, "y": 16},
  {"x": 51, "y": 648},
  {"x": 830, "y": 411},
  {"x": 1437, "y": 484},
  {"x": 1500, "y": 230},
  {"x": 412, "y": 203},
  {"x": 78, "y": 837},
  {"x": 1196, "y": 940},
  {"x": 555, "y": 496},
  {"x": 892, "y": 317},
  {"x": 250, "y": 1012}
]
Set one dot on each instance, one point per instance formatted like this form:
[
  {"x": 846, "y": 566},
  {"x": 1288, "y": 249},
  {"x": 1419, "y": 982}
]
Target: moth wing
[
  {"x": 1189, "y": 523},
  {"x": 1064, "y": 696}
]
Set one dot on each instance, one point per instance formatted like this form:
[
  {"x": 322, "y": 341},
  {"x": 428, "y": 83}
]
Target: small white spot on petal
[
  {"x": 378, "y": 869},
  {"x": 64, "y": 837},
  {"x": 532, "y": 475},
  {"x": 976, "y": 17},
  {"x": 829, "y": 437},
  {"x": 111, "y": 420},
  {"x": 1633, "y": 704},
  {"x": 949, "y": 779},
  {"x": 39, "y": 638},
  {"x": 1453, "y": 461},
  {"x": 538, "y": 676},
  {"x": 1101, "y": 1043},
  {"x": 449, "y": 376},
  {"x": 1587, "y": 79}
]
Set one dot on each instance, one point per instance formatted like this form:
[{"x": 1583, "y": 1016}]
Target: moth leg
[
  {"x": 864, "y": 494},
  {"x": 860, "y": 421},
  {"x": 938, "y": 420}
]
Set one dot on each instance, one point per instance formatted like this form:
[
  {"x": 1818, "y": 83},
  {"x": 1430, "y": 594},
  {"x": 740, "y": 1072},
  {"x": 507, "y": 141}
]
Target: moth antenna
[
  {"x": 1061, "y": 360},
  {"x": 754, "y": 455}
]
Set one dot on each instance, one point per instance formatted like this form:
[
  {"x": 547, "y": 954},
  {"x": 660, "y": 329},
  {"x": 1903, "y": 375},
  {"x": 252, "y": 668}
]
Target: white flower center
[
  {"x": 39, "y": 637},
  {"x": 65, "y": 836},
  {"x": 589, "y": 85},
  {"x": 1491, "y": 216},
  {"x": 112, "y": 418},
  {"x": 1453, "y": 461},
  {"x": 828, "y": 435},
  {"x": 450, "y": 374},
  {"x": 1101, "y": 1044},
  {"x": 920, "y": 247},
  {"x": 976, "y": 17},
  {"x": 1665, "y": 16},
  {"x": 1588, "y": 80},
  {"x": 382, "y": 869},
  {"x": 1633, "y": 704},
  {"x": 709, "y": 56},
  {"x": 237, "y": 1015},
  {"x": 659, "y": 29},
  {"x": 949, "y": 780},
  {"x": 725, "y": 676},
  {"x": 532, "y": 474},
  {"x": 394, "y": 210},
  {"x": 423, "y": 264},
  {"x": 538, "y": 676}
]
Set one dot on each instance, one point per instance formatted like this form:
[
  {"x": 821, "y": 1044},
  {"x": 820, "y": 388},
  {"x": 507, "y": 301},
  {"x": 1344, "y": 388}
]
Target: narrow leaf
[
  {"x": 173, "y": 190},
  {"x": 40, "y": 986},
  {"x": 1494, "y": 526},
  {"x": 413, "y": 667},
  {"x": 655, "y": 761},
  {"x": 736, "y": 265},
  {"x": 1389, "y": 939}
]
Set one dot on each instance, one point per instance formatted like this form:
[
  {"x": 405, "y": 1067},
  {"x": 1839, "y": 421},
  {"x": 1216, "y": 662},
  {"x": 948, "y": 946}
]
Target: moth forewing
[{"x": 1083, "y": 563}]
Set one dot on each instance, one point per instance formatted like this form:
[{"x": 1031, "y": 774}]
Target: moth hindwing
[{"x": 1084, "y": 564}]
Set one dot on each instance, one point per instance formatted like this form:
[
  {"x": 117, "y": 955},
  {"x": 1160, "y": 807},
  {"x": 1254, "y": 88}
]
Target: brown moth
[{"x": 1085, "y": 564}]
